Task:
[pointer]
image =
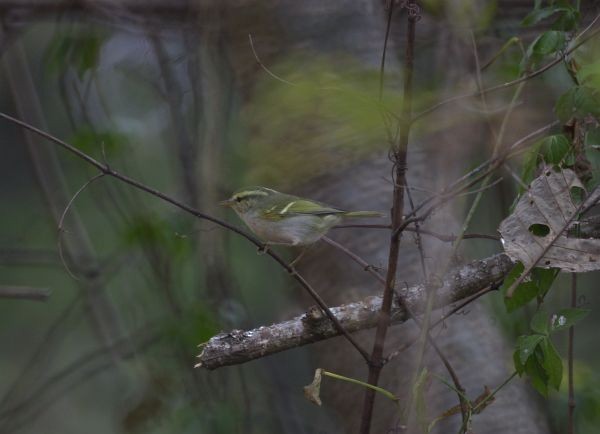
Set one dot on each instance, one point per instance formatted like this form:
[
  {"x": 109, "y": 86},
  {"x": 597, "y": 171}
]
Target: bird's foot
[{"x": 263, "y": 249}]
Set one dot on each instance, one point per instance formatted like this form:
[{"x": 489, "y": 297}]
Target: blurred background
[{"x": 171, "y": 93}]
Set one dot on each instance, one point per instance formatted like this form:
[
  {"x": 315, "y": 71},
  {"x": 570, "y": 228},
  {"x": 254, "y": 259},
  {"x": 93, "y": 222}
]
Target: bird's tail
[{"x": 363, "y": 214}]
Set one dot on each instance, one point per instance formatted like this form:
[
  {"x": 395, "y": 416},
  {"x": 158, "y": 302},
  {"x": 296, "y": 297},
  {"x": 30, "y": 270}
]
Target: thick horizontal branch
[{"x": 240, "y": 346}]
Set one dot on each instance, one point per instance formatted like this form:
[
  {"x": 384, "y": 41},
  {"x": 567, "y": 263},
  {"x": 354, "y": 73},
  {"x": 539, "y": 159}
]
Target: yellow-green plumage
[{"x": 279, "y": 218}]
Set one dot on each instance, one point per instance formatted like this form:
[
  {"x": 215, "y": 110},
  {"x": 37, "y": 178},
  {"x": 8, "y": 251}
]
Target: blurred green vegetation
[{"x": 175, "y": 281}]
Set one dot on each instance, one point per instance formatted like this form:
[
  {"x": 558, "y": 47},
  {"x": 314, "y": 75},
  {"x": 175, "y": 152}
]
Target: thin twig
[
  {"x": 62, "y": 219},
  {"x": 385, "y": 44},
  {"x": 107, "y": 170},
  {"x": 523, "y": 79},
  {"x": 399, "y": 155},
  {"x": 425, "y": 327},
  {"x": 479, "y": 173},
  {"x": 496, "y": 390},
  {"x": 360, "y": 97},
  {"x": 264, "y": 67},
  {"x": 581, "y": 209},
  {"x": 360, "y": 261},
  {"x": 571, "y": 401},
  {"x": 24, "y": 293},
  {"x": 443, "y": 318}
]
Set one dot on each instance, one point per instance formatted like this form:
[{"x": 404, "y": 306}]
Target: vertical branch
[
  {"x": 186, "y": 150},
  {"x": 385, "y": 44},
  {"x": 571, "y": 402},
  {"x": 104, "y": 317},
  {"x": 460, "y": 390},
  {"x": 399, "y": 158}
]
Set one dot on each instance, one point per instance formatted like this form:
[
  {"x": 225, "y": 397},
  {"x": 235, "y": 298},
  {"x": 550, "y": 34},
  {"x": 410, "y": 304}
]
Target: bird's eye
[{"x": 239, "y": 199}]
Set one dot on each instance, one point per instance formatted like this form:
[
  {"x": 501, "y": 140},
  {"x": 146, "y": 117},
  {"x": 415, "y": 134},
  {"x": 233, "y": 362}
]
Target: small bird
[{"x": 279, "y": 218}]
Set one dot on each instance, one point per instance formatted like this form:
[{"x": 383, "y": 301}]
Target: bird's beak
[{"x": 227, "y": 202}]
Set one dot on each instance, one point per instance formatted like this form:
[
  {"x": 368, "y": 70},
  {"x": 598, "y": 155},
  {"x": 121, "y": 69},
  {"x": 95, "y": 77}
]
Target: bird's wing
[{"x": 299, "y": 207}]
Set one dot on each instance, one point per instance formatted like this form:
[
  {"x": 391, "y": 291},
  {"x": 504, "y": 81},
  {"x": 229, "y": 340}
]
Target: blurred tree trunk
[{"x": 472, "y": 342}]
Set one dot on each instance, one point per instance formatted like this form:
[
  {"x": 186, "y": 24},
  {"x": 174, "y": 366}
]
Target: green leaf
[
  {"x": 524, "y": 293},
  {"x": 541, "y": 279},
  {"x": 578, "y": 102},
  {"x": 536, "y": 373},
  {"x": 588, "y": 73},
  {"x": 568, "y": 20},
  {"x": 80, "y": 50},
  {"x": 152, "y": 233},
  {"x": 555, "y": 148},
  {"x": 549, "y": 42},
  {"x": 552, "y": 363},
  {"x": 530, "y": 162},
  {"x": 539, "y": 322},
  {"x": 566, "y": 318},
  {"x": 526, "y": 346},
  {"x": 537, "y": 15},
  {"x": 544, "y": 278},
  {"x": 87, "y": 139},
  {"x": 592, "y": 138},
  {"x": 519, "y": 367}
]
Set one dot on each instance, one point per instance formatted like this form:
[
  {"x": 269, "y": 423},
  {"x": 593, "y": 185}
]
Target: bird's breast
[{"x": 293, "y": 230}]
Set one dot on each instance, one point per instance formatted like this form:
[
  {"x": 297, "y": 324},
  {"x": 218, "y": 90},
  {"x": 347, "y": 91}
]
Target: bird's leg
[{"x": 295, "y": 261}]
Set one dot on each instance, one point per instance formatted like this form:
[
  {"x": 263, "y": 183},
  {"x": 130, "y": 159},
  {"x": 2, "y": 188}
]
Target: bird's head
[{"x": 249, "y": 199}]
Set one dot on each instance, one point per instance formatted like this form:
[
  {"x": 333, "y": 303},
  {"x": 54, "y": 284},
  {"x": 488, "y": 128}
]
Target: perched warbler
[{"x": 279, "y": 218}]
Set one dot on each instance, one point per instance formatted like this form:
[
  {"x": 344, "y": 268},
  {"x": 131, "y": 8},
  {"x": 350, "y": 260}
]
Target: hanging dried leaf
[
  {"x": 313, "y": 390},
  {"x": 535, "y": 233}
]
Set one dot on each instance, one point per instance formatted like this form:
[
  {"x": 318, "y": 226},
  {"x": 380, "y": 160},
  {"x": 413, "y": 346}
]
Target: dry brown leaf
[
  {"x": 312, "y": 392},
  {"x": 540, "y": 216}
]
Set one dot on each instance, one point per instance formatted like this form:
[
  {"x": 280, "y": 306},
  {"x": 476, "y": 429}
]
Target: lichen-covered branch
[{"x": 238, "y": 346}]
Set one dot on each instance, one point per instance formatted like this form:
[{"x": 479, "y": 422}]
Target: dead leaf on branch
[
  {"x": 312, "y": 392},
  {"x": 535, "y": 234}
]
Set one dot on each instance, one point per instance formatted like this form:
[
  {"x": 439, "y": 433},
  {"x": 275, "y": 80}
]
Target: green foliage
[
  {"x": 88, "y": 140},
  {"x": 79, "y": 49},
  {"x": 539, "y": 322},
  {"x": 537, "y": 286},
  {"x": 592, "y": 153},
  {"x": 152, "y": 233},
  {"x": 566, "y": 16},
  {"x": 529, "y": 358},
  {"x": 566, "y": 318},
  {"x": 526, "y": 346},
  {"x": 327, "y": 119},
  {"x": 578, "y": 102},
  {"x": 544, "y": 45},
  {"x": 536, "y": 355},
  {"x": 587, "y": 383},
  {"x": 554, "y": 150},
  {"x": 419, "y": 396},
  {"x": 552, "y": 363},
  {"x": 588, "y": 73},
  {"x": 196, "y": 324}
]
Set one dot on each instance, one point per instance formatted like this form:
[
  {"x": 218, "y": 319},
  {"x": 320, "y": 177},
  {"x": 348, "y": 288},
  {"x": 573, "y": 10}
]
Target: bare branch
[
  {"x": 240, "y": 346},
  {"x": 107, "y": 170},
  {"x": 24, "y": 293},
  {"x": 580, "y": 41},
  {"x": 62, "y": 220}
]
